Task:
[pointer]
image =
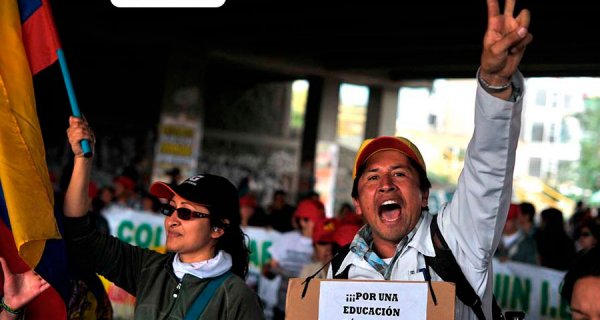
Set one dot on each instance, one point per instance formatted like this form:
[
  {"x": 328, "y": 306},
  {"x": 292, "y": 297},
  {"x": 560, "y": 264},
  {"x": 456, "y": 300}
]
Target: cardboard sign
[
  {"x": 373, "y": 300},
  {"x": 334, "y": 299}
]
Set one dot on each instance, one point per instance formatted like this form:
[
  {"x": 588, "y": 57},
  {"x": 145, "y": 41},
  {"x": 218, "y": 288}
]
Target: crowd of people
[
  {"x": 310, "y": 239},
  {"x": 553, "y": 242}
]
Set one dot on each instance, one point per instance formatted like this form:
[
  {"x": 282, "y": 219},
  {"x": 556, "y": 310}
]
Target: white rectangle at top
[{"x": 167, "y": 3}]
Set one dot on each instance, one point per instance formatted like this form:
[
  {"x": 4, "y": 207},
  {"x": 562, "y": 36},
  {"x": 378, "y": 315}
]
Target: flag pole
[{"x": 85, "y": 144}]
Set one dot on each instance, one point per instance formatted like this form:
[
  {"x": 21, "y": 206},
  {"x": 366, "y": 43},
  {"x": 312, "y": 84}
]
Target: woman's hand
[
  {"x": 78, "y": 130},
  {"x": 21, "y": 288}
]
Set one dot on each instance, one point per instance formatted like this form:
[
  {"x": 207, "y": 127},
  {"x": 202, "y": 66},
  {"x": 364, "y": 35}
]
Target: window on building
[
  {"x": 352, "y": 115},
  {"x": 535, "y": 167},
  {"x": 568, "y": 99},
  {"x": 408, "y": 115},
  {"x": 565, "y": 132},
  {"x": 432, "y": 120},
  {"x": 555, "y": 99},
  {"x": 540, "y": 98},
  {"x": 552, "y": 132},
  {"x": 537, "y": 132},
  {"x": 298, "y": 105}
]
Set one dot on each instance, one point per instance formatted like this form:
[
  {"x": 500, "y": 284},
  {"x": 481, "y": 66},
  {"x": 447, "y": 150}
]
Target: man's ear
[
  {"x": 357, "y": 208},
  {"x": 425, "y": 199}
]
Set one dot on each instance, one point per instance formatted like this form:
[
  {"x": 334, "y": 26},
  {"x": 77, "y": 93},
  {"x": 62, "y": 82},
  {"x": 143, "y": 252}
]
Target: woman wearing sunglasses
[{"x": 201, "y": 276}]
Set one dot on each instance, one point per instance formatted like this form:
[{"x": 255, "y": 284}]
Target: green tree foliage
[{"x": 590, "y": 145}]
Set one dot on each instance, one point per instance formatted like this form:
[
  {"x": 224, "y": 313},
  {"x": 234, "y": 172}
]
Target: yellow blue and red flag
[{"x": 29, "y": 232}]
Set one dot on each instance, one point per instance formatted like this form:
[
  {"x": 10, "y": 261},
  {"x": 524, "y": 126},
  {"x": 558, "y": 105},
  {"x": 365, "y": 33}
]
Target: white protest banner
[
  {"x": 372, "y": 300},
  {"x": 259, "y": 240},
  {"x": 530, "y": 288},
  {"x": 140, "y": 228}
]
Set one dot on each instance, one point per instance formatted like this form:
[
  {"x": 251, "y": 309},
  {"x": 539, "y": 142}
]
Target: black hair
[
  {"x": 586, "y": 264},
  {"x": 279, "y": 192},
  {"x": 553, "y": 220},
  {"x": 424, "y": 183},
  {"x": 528, "y": 209},
  {"x": 155, "y": 201},
  {"x": 233, "y": 241},
  {"x": 592, "y": 225}
]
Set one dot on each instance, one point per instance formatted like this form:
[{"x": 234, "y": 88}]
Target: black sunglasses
[{"x": 182, "y": 213}]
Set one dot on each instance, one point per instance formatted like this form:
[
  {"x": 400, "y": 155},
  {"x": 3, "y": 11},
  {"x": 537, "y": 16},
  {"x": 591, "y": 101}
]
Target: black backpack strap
[
  {"x": 445, "y": 265},
  {"x": 337, "y": 260},
  {"x": 334, "y": 263}
]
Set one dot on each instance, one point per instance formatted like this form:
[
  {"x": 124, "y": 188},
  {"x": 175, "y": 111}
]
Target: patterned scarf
[{"x": 363, "y": 243}]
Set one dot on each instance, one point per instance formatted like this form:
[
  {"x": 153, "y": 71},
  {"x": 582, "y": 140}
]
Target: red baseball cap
[
  {"x": 323, "y": 230},
  {"x": 344, "y": 234},
  {"x": 371, "y": 146},
  {"x": 126, "y": 182},
  {"x": 311, "y": 209},
  {"x": 247, "y": 201},
  {"x": 353, "y": 218},
  {"x": 92, "y": 189},
  {"x": 513, "y": 211}
]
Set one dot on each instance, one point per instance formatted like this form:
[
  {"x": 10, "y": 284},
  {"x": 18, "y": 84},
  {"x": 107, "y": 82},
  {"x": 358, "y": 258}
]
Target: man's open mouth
[{"x": 390, "y": 211}]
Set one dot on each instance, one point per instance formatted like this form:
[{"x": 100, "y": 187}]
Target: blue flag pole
[{"x": 85, "y": 144}]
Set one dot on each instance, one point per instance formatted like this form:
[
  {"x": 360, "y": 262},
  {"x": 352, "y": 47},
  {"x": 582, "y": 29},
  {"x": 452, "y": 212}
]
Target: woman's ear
[{"x": 216, "y": 232}]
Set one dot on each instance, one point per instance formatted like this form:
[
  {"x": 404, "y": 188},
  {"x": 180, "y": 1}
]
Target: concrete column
[
  {"x": 183, "y": 98},
  {"x": 329, "y": 110},
  {"x": 320, "y": 123},
  {"x": 184, "y": 84},
  {"x": 382, "y": 111}
]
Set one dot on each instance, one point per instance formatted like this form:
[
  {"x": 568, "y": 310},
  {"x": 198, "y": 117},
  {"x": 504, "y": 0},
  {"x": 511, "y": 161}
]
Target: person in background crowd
[
  {"x": 516, "y": 244},
  {"x": 580, "y": 214},
  {"x": 18, "y": 290},
  {"x": 205, "y": 246},
  {"x": 174, "y": 176},
  {"x": 555, "y": 247},
  {"x": 259, "y": 217},
  {"x": 391, "y": 188},
  {"x": 150, "y": 203},
  {"x": 125, "y": 193},
  {"x": 294, "y": 249},
  {"x": 323, "y": 247},
  {"x": 526, "y": 218},
  {"x": 587, "y": 235},
  {"x": 280, "y": 212},
  {"x": 107, "y": 196},
  {"x": 312, "y": 194},
  {"x": 247, "y": 207},
  {"x": 347, "y": 215},
  {"x": 581, "y": 286}
]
